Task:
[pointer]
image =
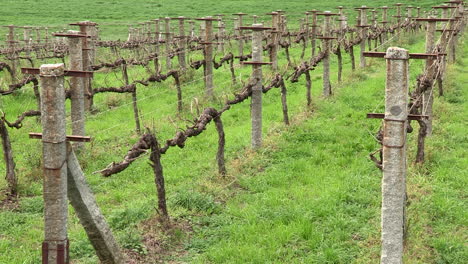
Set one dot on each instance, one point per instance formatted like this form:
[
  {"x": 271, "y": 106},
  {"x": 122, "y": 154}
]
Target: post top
[
  {"x": 395, "y": 53},
  {"x": 52, "y": 69}
]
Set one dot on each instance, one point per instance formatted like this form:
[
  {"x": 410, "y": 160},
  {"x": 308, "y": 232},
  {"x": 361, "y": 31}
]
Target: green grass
[
  {"x": 309, "y": 196},
  {"x": 115, "y": 15}
]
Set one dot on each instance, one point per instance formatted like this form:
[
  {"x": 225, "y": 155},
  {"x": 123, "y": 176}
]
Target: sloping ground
[
  {"x": 309, "y": 196},
  {"x": 312, "y": 195}
]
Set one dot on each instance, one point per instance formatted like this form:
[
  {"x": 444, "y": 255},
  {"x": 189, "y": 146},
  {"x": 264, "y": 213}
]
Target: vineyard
[{"x": 298, "y": 135}]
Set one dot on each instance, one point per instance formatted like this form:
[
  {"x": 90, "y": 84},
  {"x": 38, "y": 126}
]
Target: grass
[
  {"x": 115, "y": 15},
  {"x": 310, "y": 195}
]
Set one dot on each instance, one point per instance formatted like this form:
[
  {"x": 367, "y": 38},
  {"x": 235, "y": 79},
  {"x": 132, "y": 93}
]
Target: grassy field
[
  {"x": 310, "y": 195},
  {"x": 115, "y": 15}
]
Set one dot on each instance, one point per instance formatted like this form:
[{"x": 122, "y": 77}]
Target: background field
[
  {"x": 115, "y": 15},
  {"x": 309, "y": 196}
]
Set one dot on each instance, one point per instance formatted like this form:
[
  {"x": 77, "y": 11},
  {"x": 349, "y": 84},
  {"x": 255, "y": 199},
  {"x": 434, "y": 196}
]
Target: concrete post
[
  {"x": 192, "y": 28},
  {"x": 157, "y": 46},
  {"x": 241, "y": 35},
  {"x": 443, "y": 45},
  {"x": 148, "y": 31},
  {"x": 93, "y": 31},
  {"x": 313, "y": 36},
  {"x": 307, "y": 26},
  {"x": 182, "y": 42},
  {"x": 87, "y": 210},
  {"x": 394, "y": 156},
  {"x": 326, "y": 59},
  {"x": 384, "y": 21},
  {"x": 38, "y": 35},
  {"x": 55, "y": 164},
  {"x": 256, "y": 104},
  {"x": 409, "y": 13},
  {"x": 167, "y": 32},
  {"x": 76, "y": 86},
  {"x": 341, "y": 36},
  {"x": 202, "y": 31},
  {"x": 428, "y": 96},
  {"x": 12, "y": 50},
  {"x": 46, "y": 38},
  {"x": 274, "y": 41},
  {"x": 27, "y": 41},
  {"x": 220, "y": 33},
  {"x": 85, "y": 28},
  {"x": 363, "y": 25},
  {"x": 209, "y": 56},
  {"x": 398, "y": 17}
]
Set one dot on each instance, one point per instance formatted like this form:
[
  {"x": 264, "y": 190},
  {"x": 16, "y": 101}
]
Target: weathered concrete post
[
  {"x": 12, "y": 50},
  {"x": 374, "y": 26},
  {"x": 87, "y": 53},
  {"x": 157, "y": 46},
  {"x": 307, "y": 28},
  {"x": 256, "y": 104},
  {"x": 313, "y": 34},
  {"x": 409, "y": 13},
  {"x": 93, "y": 32},
  {"x": 168, "y": 39},
  {"x": 208, "y": 52},
  {"x": 443, "y": 44},
  {"x": 394, "y": 156},
  {"x": 209, "y": 56},
  {"x": 363, "y": 25},
  {"x": 221, "y": 33},
  {"x": 55, "y": 245},
  {"x": 341, "y": 34},
  {"x": 182, "y": 43},
  {"x": 384, "y": 22},
  {"x": 454, "y": 36},
  {"x": 46, "y": 37},
  {"x": 38, "y": 35},
  {"x": 75, "y": 46},
  {"x": 87, "y": 210},
  {"x": 274, "y": 40},
  {"x": 149, "y": 32},
  {"x": 418, "y": 15},
  {"x": 428, "y": 96},
  {"x": 398, "y": 18},
  {"x": 326, "y": 39},
  {"x": 241, "y": 35},
  {"x": 192, "y": 28},
  {"x": 27, "y": 42}
]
